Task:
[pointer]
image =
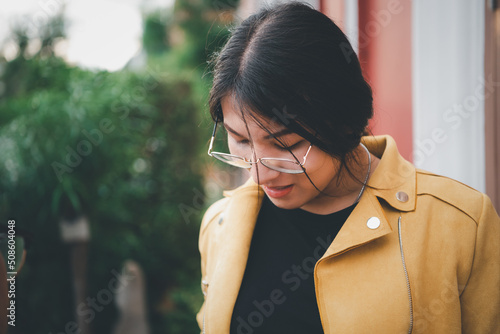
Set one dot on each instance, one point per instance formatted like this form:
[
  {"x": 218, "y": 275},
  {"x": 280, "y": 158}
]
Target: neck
[{"x": 345, "y": 187}]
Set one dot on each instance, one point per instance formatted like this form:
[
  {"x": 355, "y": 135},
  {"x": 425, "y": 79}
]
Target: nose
[{"x": 261, "y": 174}]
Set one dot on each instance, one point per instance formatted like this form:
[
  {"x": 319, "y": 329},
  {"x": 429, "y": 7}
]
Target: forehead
[{"x": 236, "y": 119}]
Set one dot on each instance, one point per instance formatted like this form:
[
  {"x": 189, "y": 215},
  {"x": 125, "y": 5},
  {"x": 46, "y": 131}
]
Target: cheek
[
  {"x": 231, "y": 145},
  {"x": 322, "y": 168},
  {"x": 322, "y": 164},
  {"x": 236, "y": 148}
]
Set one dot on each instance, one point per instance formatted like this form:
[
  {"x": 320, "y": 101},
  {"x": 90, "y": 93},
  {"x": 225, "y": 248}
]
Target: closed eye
[
  {"x": 243, "y": 142},
  {"x": 288, "y": 148}
]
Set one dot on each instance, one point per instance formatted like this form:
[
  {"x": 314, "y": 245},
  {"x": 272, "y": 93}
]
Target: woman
[{"x": 334, "y": 232}]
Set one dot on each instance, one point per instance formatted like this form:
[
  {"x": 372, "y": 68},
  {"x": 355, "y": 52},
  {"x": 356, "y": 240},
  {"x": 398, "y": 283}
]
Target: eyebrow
[{"x": 280, "y": 133}]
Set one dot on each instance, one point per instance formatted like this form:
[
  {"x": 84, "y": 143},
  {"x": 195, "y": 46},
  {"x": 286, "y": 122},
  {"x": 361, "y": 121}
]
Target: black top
[{"x": 277, "y": 294}]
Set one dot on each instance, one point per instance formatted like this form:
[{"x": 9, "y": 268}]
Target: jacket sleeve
[
  {"x": 480, "y": 299},
  {"x": 205, "y": 244}
]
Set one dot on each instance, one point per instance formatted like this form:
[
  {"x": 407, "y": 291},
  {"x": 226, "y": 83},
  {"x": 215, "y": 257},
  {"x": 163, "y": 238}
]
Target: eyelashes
[
  {"x": 288, "y": 148},
  {"x": 276, "y": 145}
]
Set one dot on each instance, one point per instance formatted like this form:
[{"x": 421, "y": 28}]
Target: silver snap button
[
  {"x": 221, "y": 218},
  {"x": 402, "y": 196},
  {"x": 373, "y": 223}
]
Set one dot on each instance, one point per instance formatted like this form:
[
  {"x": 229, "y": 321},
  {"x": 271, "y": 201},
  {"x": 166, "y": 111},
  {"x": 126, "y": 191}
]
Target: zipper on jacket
[
  {"x": 406, "y": 275},
  {"x": 204, "y": 312},
  {"x": 205, "y": 292}
]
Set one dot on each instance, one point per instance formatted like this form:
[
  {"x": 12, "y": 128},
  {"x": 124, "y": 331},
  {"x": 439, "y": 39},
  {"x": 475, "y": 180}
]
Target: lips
[{"x": 277, "y": 192}]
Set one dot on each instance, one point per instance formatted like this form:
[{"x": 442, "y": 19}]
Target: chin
[{"x": 284, "y": 204}]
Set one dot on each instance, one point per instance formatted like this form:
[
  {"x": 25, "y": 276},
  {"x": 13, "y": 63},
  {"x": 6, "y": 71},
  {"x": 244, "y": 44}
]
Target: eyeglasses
[{"x": 277, "y": 164}]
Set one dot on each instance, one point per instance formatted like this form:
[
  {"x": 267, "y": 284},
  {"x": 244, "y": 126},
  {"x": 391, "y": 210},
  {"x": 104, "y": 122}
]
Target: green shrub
[{"x": 133, "y": 144}]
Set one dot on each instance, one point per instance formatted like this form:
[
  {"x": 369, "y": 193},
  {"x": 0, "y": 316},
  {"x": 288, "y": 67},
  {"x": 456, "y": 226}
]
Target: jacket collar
[
  {"x": 394, "y": 181},
  {"x": 393, "y": 174}
]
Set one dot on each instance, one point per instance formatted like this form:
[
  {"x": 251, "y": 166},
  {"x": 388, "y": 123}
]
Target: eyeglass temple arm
[
  {"x": 213, "y": 138},
  {"x": 305, "y": 156},
  {"x": 210, "y": 146}
]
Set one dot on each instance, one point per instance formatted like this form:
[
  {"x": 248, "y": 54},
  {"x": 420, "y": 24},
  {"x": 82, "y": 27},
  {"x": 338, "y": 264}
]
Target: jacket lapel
[
  {"x": 356, "y": 231},
  {"x": 393, "y": 175}
]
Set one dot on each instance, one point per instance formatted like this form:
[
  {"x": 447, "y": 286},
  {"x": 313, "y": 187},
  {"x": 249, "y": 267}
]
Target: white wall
[
  {"x": 448, "y": 89},
  {"x": 351, "y": 13}
]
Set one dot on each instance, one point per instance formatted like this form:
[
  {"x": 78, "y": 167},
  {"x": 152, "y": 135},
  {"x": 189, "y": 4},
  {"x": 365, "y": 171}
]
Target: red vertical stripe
[{"x": 385, "y": 55}]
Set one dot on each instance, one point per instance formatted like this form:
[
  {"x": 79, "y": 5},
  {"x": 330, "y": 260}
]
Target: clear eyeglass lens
[
  {"x": 231, "y": 160},
  {"x": 285, "y": 166},
  {"x": 281, "y": 165}
]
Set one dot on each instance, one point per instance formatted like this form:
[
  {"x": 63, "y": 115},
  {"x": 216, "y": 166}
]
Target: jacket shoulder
[
  {"x": 459, "y": 195},
  {"x": 213, "y": 212}
]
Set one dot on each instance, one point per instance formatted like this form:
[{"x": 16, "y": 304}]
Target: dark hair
[{"x": 291, "y": 63}]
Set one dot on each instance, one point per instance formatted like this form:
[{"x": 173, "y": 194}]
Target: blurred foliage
[
  {"x": 123, "y": 149},
  {"x": 204, "y": 26},
  {"x": 155, "y": 39}
]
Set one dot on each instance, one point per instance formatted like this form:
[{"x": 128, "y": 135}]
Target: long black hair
[{"x": 293, "y": 64}]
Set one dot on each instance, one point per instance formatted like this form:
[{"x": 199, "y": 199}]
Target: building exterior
[{"x": 435, "y": 74}]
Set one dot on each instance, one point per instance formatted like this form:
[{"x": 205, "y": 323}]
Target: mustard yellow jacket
[{"x": 429, "y": 262}]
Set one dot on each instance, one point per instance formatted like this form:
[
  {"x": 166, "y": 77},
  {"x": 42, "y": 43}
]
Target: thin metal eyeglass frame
[{"x": 250, "y": 163}]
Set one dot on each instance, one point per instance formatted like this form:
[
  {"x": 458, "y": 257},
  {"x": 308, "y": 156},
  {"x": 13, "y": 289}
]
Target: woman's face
[{"x": 287, "y": 191}]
